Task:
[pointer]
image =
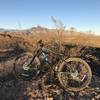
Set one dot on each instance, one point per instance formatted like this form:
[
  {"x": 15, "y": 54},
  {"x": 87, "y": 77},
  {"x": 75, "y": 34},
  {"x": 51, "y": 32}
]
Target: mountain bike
[{"x": 73, "y": 73}]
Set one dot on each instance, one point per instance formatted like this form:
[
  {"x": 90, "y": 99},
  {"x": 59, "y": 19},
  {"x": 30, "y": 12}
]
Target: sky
[{"x": 84, "y": 15}]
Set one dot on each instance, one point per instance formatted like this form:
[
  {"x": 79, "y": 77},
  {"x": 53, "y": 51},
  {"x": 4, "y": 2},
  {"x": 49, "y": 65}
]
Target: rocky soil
[{"x": 44, "y": 89}]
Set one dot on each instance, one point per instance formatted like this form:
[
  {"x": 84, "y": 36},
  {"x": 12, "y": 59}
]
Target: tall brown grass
[{"x": 28, "y": 41}]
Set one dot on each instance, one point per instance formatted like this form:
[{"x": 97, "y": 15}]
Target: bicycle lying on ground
[{"x": 73, "y": 73}]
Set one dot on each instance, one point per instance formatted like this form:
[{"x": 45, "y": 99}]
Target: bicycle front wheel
[{"x": 23, "y": 70}]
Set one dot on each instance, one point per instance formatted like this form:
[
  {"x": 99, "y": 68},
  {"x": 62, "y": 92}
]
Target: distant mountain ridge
[
  {"x": 7, "y": 30},
  {"x": 2, "y": 29}
]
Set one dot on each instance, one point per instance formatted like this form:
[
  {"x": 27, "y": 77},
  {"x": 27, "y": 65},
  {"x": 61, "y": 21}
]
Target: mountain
[{"x": 7, "y": 30}]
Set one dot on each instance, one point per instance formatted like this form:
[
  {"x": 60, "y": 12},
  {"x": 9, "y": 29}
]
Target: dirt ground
[{"x": 38, "y": 90}]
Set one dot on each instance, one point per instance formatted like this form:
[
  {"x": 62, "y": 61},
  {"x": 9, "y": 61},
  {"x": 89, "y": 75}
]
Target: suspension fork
[
  {"x": 36, "y": 54},
  {"x": 31, "y": 61}
]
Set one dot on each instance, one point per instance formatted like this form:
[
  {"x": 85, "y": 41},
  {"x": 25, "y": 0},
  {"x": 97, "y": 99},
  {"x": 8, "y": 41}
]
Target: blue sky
[{"x": 81, "y": 14}]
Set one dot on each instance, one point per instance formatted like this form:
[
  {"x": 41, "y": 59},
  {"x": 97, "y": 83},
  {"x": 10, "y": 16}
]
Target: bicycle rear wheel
[{"x": 74, "y": 74}]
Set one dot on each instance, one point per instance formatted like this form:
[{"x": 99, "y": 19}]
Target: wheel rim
[{"x": 74, "y": 74}]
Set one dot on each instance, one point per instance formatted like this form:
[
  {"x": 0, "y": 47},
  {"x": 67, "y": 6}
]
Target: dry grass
[{"x": 20, "y": 39}]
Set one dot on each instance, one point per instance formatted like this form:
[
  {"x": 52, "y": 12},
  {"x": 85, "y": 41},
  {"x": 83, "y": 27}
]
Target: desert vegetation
[{"x": 13, "y": 44}]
